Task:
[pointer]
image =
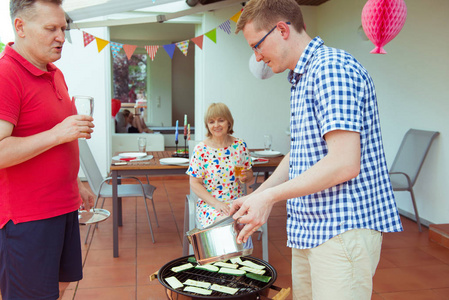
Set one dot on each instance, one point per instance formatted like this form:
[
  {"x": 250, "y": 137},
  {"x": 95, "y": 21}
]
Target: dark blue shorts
[{"x": 35, "y": 256}]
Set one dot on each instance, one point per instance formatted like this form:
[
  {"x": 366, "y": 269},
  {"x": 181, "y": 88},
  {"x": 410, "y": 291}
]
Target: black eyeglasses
[{"x": 256, "y": 46}]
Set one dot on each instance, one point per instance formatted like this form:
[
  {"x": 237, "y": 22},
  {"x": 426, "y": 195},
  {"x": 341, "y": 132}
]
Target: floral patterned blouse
[{"x": 216, "y": 168}]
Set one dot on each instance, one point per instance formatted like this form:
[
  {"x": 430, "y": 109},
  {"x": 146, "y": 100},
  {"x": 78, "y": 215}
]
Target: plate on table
[
  {"x": 95, "y": 215},
  {"x": 146, "y": 157},
  {"x": 258, "y": 160},
  {"x": 174, "y": 161},
  {"x": 267, "y": 153},
  {"x": 132, "y": 154}
]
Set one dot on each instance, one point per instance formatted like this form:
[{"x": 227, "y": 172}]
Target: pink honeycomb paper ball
[{"x": 382, "y": 20}]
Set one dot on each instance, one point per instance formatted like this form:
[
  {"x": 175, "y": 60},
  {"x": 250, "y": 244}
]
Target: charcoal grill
[{"x": 248, "y": 288}]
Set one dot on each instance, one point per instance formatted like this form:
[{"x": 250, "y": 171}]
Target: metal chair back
[{"x": 412, "y": 153}]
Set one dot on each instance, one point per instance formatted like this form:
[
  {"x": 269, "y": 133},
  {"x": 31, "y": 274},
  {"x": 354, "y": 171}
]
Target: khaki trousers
[{"x": 340, "y": 269}]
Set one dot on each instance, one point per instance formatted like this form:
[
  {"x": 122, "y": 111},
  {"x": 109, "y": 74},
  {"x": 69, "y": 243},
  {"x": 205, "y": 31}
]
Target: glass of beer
[
  {"x": 84, "y": 105},
  {"x": 238, "y": 170}
]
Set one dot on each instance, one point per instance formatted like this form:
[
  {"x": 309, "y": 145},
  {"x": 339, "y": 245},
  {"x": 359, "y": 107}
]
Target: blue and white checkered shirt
[{"x": 332, "y": 91}]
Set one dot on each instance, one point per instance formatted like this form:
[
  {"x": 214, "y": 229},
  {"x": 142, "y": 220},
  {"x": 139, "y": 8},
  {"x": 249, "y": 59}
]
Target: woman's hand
[
  {"x": 246, "y": 175},
  {"x": 222, "y": 207}
]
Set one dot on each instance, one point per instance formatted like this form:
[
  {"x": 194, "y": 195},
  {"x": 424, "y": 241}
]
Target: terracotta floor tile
[
  {"x": 157, "y": 255},
  {"x": 109, "y": 293},
  {"x": 161, "y": 240},
  {"x": 396, "y": 279},
  {"x": 105, "y": 257},
  {"x": 108, "y": 276},
  {"x": 407, "y": 257},
  {"x": 442, "y": 292},
  {"x": 154, "y": 291},
  {"x": 437, "y": 251},
  {"x": 413, "y": 295}
]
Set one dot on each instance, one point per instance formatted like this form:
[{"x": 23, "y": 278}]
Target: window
[{"x": 130, "y": 77}]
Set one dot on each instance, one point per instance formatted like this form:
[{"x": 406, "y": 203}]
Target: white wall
[
  {"x": 87, "y": 72},
  {"x": 160, "y": 89},
  {"x": 411, "y": 82}
]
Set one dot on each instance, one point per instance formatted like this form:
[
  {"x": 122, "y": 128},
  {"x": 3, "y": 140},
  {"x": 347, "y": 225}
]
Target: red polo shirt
[{"x": 35, "y": 101}]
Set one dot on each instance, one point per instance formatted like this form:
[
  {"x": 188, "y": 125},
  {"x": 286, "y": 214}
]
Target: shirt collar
[
  {"x": 303, "y": 61},
  {"x": 25, "y": 63}
]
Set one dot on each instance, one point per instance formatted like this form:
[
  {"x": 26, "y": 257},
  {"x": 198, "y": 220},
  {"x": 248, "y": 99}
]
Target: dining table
[{"x": 154, "y": 167}]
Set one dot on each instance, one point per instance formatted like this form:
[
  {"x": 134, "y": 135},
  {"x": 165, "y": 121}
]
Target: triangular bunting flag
[
  {"x": 151, "y": 50},
  {"x": 198, "y": 41},
  {"x": 212, "y": 35},
  {"x": 88, "y": 38},
  {"x": 170, "y": 49},
  {"x": 226, "y": 26},
  {"x": 183, "y": 46},
  {"x": 101, "y": 44},
  {"x": 129, "y": 50},
  {"x": 236, "y": 17},
  {"x": 115, "y": 48}
]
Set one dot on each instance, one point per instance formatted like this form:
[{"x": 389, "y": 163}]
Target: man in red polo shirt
[{"x": 40, "y": 191}]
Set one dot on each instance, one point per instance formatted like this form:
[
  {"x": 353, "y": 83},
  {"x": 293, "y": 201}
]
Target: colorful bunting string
[
  {"x": 183, "y": 46},
  {"x": 226, "y": 26},
  {"x": 170, "y": 49},
  {"x": 115, "y": 48},
  {"x": 101, "y": 44},
  {"x": 198, "y": 41},
  {"x": 212, "y": 35},
  {"x": 88, "y": 38},
  {"x": 152, "y": 49},
  {"x": 129, "y": 50}
]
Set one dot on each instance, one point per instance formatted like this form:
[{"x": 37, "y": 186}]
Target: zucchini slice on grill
[
  {"x": 182, "y": 267},
  {"x": 251, "y": 270},
  {"x": 235, "y": 272},
  {"x": 197, "y": 290},
  {"x": 258, "y": 277},
  {"x": 210, "y": 268},
  {"x": 236, "y": 260},
  {"x": 226, "y": 265},
  {"x": 250, "y": 264},
  {"x": 224, "y": 289},
  {"x": 174, "y": 282},
  {"x": 200, "y": 284}
]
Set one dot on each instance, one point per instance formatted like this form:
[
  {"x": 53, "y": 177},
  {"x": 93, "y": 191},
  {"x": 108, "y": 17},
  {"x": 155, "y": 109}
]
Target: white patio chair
[{"x": 102, "y": 189}]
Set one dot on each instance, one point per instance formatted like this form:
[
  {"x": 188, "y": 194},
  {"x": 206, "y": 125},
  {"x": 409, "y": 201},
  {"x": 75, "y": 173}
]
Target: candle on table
[
  {"x": 176, "y": 131},
  {"x": 185, "y": 125},
  {"x": 188, "y": 132}
]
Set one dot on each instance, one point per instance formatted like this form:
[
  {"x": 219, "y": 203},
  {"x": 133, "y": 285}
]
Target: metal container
[{"x": 218, "y": 242}]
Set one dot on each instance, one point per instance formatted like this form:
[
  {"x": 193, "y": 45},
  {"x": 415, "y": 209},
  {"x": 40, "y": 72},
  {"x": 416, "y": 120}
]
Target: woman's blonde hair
[{"x": 219, "y": 110}]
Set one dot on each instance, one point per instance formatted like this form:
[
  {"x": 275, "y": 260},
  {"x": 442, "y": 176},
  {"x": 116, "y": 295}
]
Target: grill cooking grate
[{"x": 244, "y": 284}]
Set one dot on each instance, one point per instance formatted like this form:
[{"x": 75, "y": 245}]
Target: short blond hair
[
  {"x": 218, "y": 110},
  {"x": 266, "y": 13}
]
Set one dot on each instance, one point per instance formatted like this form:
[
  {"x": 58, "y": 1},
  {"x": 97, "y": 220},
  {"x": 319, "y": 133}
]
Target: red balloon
[
  {"x": 382, "y": 20},
  {"x": 115, "y": 106}
]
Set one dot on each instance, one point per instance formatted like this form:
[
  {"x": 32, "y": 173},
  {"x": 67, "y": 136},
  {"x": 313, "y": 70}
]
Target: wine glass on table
[{"x": 267, "y": 142}]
